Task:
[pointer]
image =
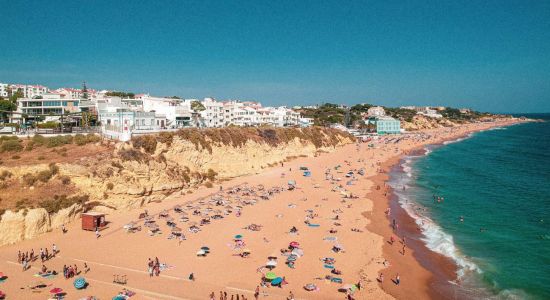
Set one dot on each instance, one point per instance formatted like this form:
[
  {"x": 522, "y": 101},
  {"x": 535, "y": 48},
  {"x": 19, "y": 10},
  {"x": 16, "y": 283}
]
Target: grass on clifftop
[{"x": 237, "y": 137}]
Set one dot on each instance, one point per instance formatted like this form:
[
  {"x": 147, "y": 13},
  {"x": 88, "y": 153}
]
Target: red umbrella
[
  {"x": 56, "y": 291},
  {"x": 294, "y": 244}
]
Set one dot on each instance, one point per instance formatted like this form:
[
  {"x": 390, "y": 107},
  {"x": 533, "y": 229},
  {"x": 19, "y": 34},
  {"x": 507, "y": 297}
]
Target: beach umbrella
[
  {"x": 205, "y": 248},
  {"x": 310, "y": 287},
  {"x": 298, "y": 252},
  {"x": 201, "y": 252},
  {"x": 79, "y": 283},
  {"x": 238, "y": 237},
  {"x": 270, "y": 276},
  {"x": 271, "y": 264},
  {"x": 119, "y": 297},
  {"x": 56, "y": 291},
  {"x": 276, "y": 281},
  {"x": 294, "y": 244}
]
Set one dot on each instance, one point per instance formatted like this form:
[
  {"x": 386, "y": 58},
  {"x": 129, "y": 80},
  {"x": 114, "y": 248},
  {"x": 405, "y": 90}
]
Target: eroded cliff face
[
  {"x": 129, "y": 178},
  {"x": 421, "y": 122}
]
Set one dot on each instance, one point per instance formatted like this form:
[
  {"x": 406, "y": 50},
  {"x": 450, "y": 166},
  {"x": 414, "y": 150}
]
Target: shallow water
[{"x": 499, "y": 181}]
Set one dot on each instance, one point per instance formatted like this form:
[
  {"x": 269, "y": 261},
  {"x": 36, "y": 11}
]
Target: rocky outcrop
[
  {"x": 419, "y": 122},
  {"x": 30, "y": 223}
]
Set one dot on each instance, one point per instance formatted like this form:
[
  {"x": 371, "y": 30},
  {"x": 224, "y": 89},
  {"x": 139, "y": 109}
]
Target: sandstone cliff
[{"x": 151, "y": 168}]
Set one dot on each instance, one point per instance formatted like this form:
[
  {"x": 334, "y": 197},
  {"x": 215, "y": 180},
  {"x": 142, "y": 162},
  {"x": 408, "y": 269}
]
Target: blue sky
[{"x": 489, "y": 55}]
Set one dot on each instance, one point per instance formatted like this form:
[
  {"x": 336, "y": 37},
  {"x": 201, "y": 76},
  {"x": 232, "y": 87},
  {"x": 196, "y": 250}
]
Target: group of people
[
  {"x": 25, "y": 258},
  {"x": 153, "y": 267},
  {"x": 70, "y": 271}
]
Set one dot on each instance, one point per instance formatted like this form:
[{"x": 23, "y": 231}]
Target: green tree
[
  {"x": 84, "y": 91},
  {"x": 197, "y": 106},
  {"x": 5, "y": 107},
  {"x": 18, "y": 94}
]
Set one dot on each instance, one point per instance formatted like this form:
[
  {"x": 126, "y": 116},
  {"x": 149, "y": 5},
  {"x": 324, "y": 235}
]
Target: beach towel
[
  {"x": 48, "y": 276},
  {"x": 328, "y": 266},
  {"x": 330, "y": 238},
  {"x": 313, "y": 225}
]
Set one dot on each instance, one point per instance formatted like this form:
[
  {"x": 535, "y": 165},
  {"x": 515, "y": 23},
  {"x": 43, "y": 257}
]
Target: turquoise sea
[{"x": 498, "y": 181}]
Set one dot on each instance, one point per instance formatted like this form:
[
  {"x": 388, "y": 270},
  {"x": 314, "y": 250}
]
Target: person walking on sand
[
  {"x": 97, "y": 235},
  {"x": 54, "y": 250},
  {"x": 381, "y": 278},
  {"x": 212, "y": 296},
  {"x": 397, "y": 279},
  {"x": 290, "y": 296},
  {"x": 257, "y": 292}
]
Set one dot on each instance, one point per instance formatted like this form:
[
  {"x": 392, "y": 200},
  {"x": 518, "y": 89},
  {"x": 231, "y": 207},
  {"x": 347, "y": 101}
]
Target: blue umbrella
[
  {"x": 238, "y": 237},
  {"x": 79, "y": 283},
  {"x": 119, "y": 297},
  {"x": 276, "y": 281}
]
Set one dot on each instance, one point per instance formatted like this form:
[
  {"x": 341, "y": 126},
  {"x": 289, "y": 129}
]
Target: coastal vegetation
[
  {"x": 329, "y": 113},
  {"x": 204, "y": 139}
]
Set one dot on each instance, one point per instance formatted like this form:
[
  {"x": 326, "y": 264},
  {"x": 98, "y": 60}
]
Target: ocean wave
[{"x": 434, "y": 237}]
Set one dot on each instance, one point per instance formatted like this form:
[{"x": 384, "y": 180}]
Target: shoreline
[
  {"x": 424, "y": 273},
  {"x": 225, "y": 270}
]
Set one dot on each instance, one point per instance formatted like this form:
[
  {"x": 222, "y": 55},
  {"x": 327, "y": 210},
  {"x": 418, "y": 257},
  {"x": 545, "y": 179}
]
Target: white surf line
[{"x": 154, "y": 294}]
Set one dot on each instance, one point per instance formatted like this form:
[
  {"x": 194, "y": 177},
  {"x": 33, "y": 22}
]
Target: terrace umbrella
[
  {"x": 79, "y": 283},
  {"x": 270, "y": 276},
  {"x": 56, "y": 291}
]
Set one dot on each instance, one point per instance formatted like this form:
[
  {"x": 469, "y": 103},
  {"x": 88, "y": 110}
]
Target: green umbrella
[{"x": 270, "y": 276}]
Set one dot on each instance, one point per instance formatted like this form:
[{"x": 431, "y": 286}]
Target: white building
[
  {"x": 49, "y": 104},
  {"x": 177, "y": 112},
  {"x": 4, "y": 90},
  {"x": 376, "y": 111},
  {"x": 431, "y": 113},
  {"x": 213, "y": 114}
]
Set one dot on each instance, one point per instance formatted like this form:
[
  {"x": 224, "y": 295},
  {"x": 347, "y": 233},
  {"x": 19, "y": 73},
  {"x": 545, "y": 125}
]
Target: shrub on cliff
[
  {"x": 146, "y": 142},
  {"x": 60, "y": 202},
  {"x": 5, "y": 175},
  {"x": 28, "y": 179},
  {"x": 132, "y": 155},
  {"x": 11, "y": 146},
  {"x": 60, "y": 140},
  {"x": 82, "y": 140}
]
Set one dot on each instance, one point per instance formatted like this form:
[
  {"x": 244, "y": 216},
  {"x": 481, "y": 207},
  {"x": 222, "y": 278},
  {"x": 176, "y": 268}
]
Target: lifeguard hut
[{"x": 93, "y": 220}]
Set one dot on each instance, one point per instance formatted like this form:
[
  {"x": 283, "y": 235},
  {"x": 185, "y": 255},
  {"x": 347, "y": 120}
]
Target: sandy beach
[{"x": 338, "y": 213}]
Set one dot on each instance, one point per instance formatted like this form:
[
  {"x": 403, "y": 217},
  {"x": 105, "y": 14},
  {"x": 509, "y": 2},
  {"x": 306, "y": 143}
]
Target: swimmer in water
[{"x": 461, "y": 218}]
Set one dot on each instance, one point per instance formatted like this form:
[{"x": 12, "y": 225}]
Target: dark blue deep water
[{"x": 499, "y": 182}]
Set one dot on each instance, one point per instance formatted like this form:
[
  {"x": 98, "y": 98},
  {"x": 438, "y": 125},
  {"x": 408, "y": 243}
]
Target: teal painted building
[{"x": 385, "y": 125}]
